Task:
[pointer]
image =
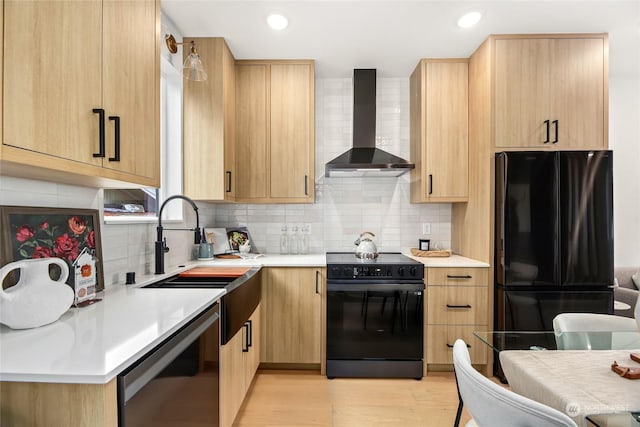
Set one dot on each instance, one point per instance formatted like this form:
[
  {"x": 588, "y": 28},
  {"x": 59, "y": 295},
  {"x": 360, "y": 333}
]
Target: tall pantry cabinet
[{"x": 80, "y": 93}]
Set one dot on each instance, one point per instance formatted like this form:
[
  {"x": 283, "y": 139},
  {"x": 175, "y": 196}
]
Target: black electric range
[{"x": 374, "y": 316}]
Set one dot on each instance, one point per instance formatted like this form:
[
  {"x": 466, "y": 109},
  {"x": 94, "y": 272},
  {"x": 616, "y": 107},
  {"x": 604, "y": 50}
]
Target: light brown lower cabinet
[
  {"x": 53, "y": 404},
  {"x": 292, "y": 298},
  {"x": 442, "y": 337},
  {"x": 456, "y": 305},
  {"x": 239, "y": 360}
]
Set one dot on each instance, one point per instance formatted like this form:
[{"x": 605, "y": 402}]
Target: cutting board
[{"x": 215, "y": 272}]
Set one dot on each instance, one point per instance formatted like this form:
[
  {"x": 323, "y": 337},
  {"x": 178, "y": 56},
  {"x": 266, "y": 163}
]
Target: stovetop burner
[{"x": 388, "y": 266}]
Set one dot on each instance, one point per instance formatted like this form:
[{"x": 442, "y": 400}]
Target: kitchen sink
[
  {"x": 193, "y": 282},
  {"x": 242, "y": 296}
]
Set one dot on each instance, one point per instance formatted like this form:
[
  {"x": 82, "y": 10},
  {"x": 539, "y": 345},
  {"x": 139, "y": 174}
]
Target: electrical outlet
[
  {"x": 306, "y": 229},
  {"x": 426, "y": 228}
]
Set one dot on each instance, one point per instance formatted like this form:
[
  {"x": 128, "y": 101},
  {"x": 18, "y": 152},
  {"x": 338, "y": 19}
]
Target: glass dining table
[
  {"x": 547, "y": 379},
  {"x": 549, "y": 340}
]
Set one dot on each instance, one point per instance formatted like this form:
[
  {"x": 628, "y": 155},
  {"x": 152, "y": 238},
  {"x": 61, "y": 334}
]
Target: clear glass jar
[
  {"x": 284, "y": 241},
  {"x": 304, "y": 243},
  {"x": 294, "y": 241}
]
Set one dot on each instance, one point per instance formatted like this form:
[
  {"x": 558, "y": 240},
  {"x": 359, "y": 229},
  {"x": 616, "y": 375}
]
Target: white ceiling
[{"x": 392, "y": 35}]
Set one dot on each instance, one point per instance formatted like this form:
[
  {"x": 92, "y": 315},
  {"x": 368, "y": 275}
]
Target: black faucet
[{"x": 161, "y": 244}]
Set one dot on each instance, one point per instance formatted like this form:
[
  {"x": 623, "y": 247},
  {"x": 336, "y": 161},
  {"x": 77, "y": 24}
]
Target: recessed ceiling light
[
  {"x": 469, "y": 19},
  {"x": 277, "y": 21}
]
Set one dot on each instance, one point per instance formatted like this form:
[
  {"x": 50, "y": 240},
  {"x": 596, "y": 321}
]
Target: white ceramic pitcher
[{"x": 36, "y": 299}]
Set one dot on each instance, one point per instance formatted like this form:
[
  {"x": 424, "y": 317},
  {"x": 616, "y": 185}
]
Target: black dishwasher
[{"x": 176, "y": 383}]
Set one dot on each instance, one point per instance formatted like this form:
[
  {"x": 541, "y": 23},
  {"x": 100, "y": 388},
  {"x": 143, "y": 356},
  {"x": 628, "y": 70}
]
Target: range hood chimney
[{"x": 364, "y": 159}]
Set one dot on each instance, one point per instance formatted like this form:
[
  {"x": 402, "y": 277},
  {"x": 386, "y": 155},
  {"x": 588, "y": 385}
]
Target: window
[{"x": 142, "y": 205}]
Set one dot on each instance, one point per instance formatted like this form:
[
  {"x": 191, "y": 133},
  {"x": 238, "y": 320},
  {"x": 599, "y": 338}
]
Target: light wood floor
[{"x": 305, "y": 398}]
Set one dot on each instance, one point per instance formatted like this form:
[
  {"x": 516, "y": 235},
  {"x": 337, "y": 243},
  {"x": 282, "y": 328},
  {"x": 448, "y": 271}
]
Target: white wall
[
  {"x": 347, "y": 206},
  {"x": 624, "y": 140}
]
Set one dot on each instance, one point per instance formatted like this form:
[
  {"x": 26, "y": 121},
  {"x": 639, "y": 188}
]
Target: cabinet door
[
  {"x": 522, "y": 88},
  {"x": 252, "y": 356},
  {"x": 252, "y": 174},
  {"x": 209, "y": 129},
  {"x": 131, "y": 85},
  {"x": 291, "y": 109},
  {"x": 578, "y": 93},
  {"x": 232, "y": 378},
  {"x": 52, "y": 77},
  {"x": 293, "y": 301},
  {"x": 447, "y": 162}
]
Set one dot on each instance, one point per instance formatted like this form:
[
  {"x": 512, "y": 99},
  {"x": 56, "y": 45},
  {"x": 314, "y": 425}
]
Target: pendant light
[{"x": 192, "y": 69}]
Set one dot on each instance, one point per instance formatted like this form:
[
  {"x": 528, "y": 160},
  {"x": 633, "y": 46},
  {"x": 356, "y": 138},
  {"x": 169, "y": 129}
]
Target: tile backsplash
[{"x": 347, "y": 206}]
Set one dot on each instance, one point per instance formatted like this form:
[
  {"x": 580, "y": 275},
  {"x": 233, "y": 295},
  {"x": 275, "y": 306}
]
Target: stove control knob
[
  {"x": 347, "y": 272},
  {"x": 335, "y": 271},
  {"x": 413, "y": 271},
  {"x": 400, "y": 271}
]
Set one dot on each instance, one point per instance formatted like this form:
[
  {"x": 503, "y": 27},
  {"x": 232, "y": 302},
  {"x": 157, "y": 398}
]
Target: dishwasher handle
[{"x": 136, "y": 377}]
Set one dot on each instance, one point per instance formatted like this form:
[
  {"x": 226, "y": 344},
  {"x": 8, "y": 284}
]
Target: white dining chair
[
  {"x": 588, "y": 331},
  {"x": 491, "y": 405}
]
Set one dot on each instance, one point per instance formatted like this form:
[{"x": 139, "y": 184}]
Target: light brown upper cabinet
[
  {"x": 209, "y": 125},
  {"x": 551, "y": 92},
  {"x": 81, "y": 91},
  {"x": 275, "y": 131},
  {"x": 439, "y": 131}
]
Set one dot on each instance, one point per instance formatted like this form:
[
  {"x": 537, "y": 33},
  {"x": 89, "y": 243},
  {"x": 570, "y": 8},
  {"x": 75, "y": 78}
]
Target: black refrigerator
[{"x": 553, "y": 237}]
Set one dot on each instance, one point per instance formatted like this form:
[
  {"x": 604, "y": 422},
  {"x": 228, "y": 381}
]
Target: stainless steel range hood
[{"x": 364, "y": 159}]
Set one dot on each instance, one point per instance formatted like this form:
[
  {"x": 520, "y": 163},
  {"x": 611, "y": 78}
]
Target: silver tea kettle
[{"x": 366, "y": 249}]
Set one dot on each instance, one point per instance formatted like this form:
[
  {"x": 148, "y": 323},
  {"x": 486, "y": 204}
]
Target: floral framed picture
[{"x": 72, "y": 235}]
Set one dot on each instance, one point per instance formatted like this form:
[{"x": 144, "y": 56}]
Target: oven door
[
  {"x": 375, "y": 321},
  {"x": 175, "y": 384}
]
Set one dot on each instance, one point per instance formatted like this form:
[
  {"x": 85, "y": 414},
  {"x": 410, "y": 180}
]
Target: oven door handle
[
  {"x": 372, "y": 286},
  {"x": 147, "y": 369}
]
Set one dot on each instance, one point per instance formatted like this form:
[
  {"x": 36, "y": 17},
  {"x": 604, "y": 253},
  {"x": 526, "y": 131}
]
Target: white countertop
[
  {"x": 93, "y": 344},
  {"x": 450, "y": 261}
]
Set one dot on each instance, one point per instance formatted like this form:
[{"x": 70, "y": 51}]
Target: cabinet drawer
[
  {"x": 440, "y": 339},
  {"x": 462, "y": 305},
  {"x": 458, "y": 276}
]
